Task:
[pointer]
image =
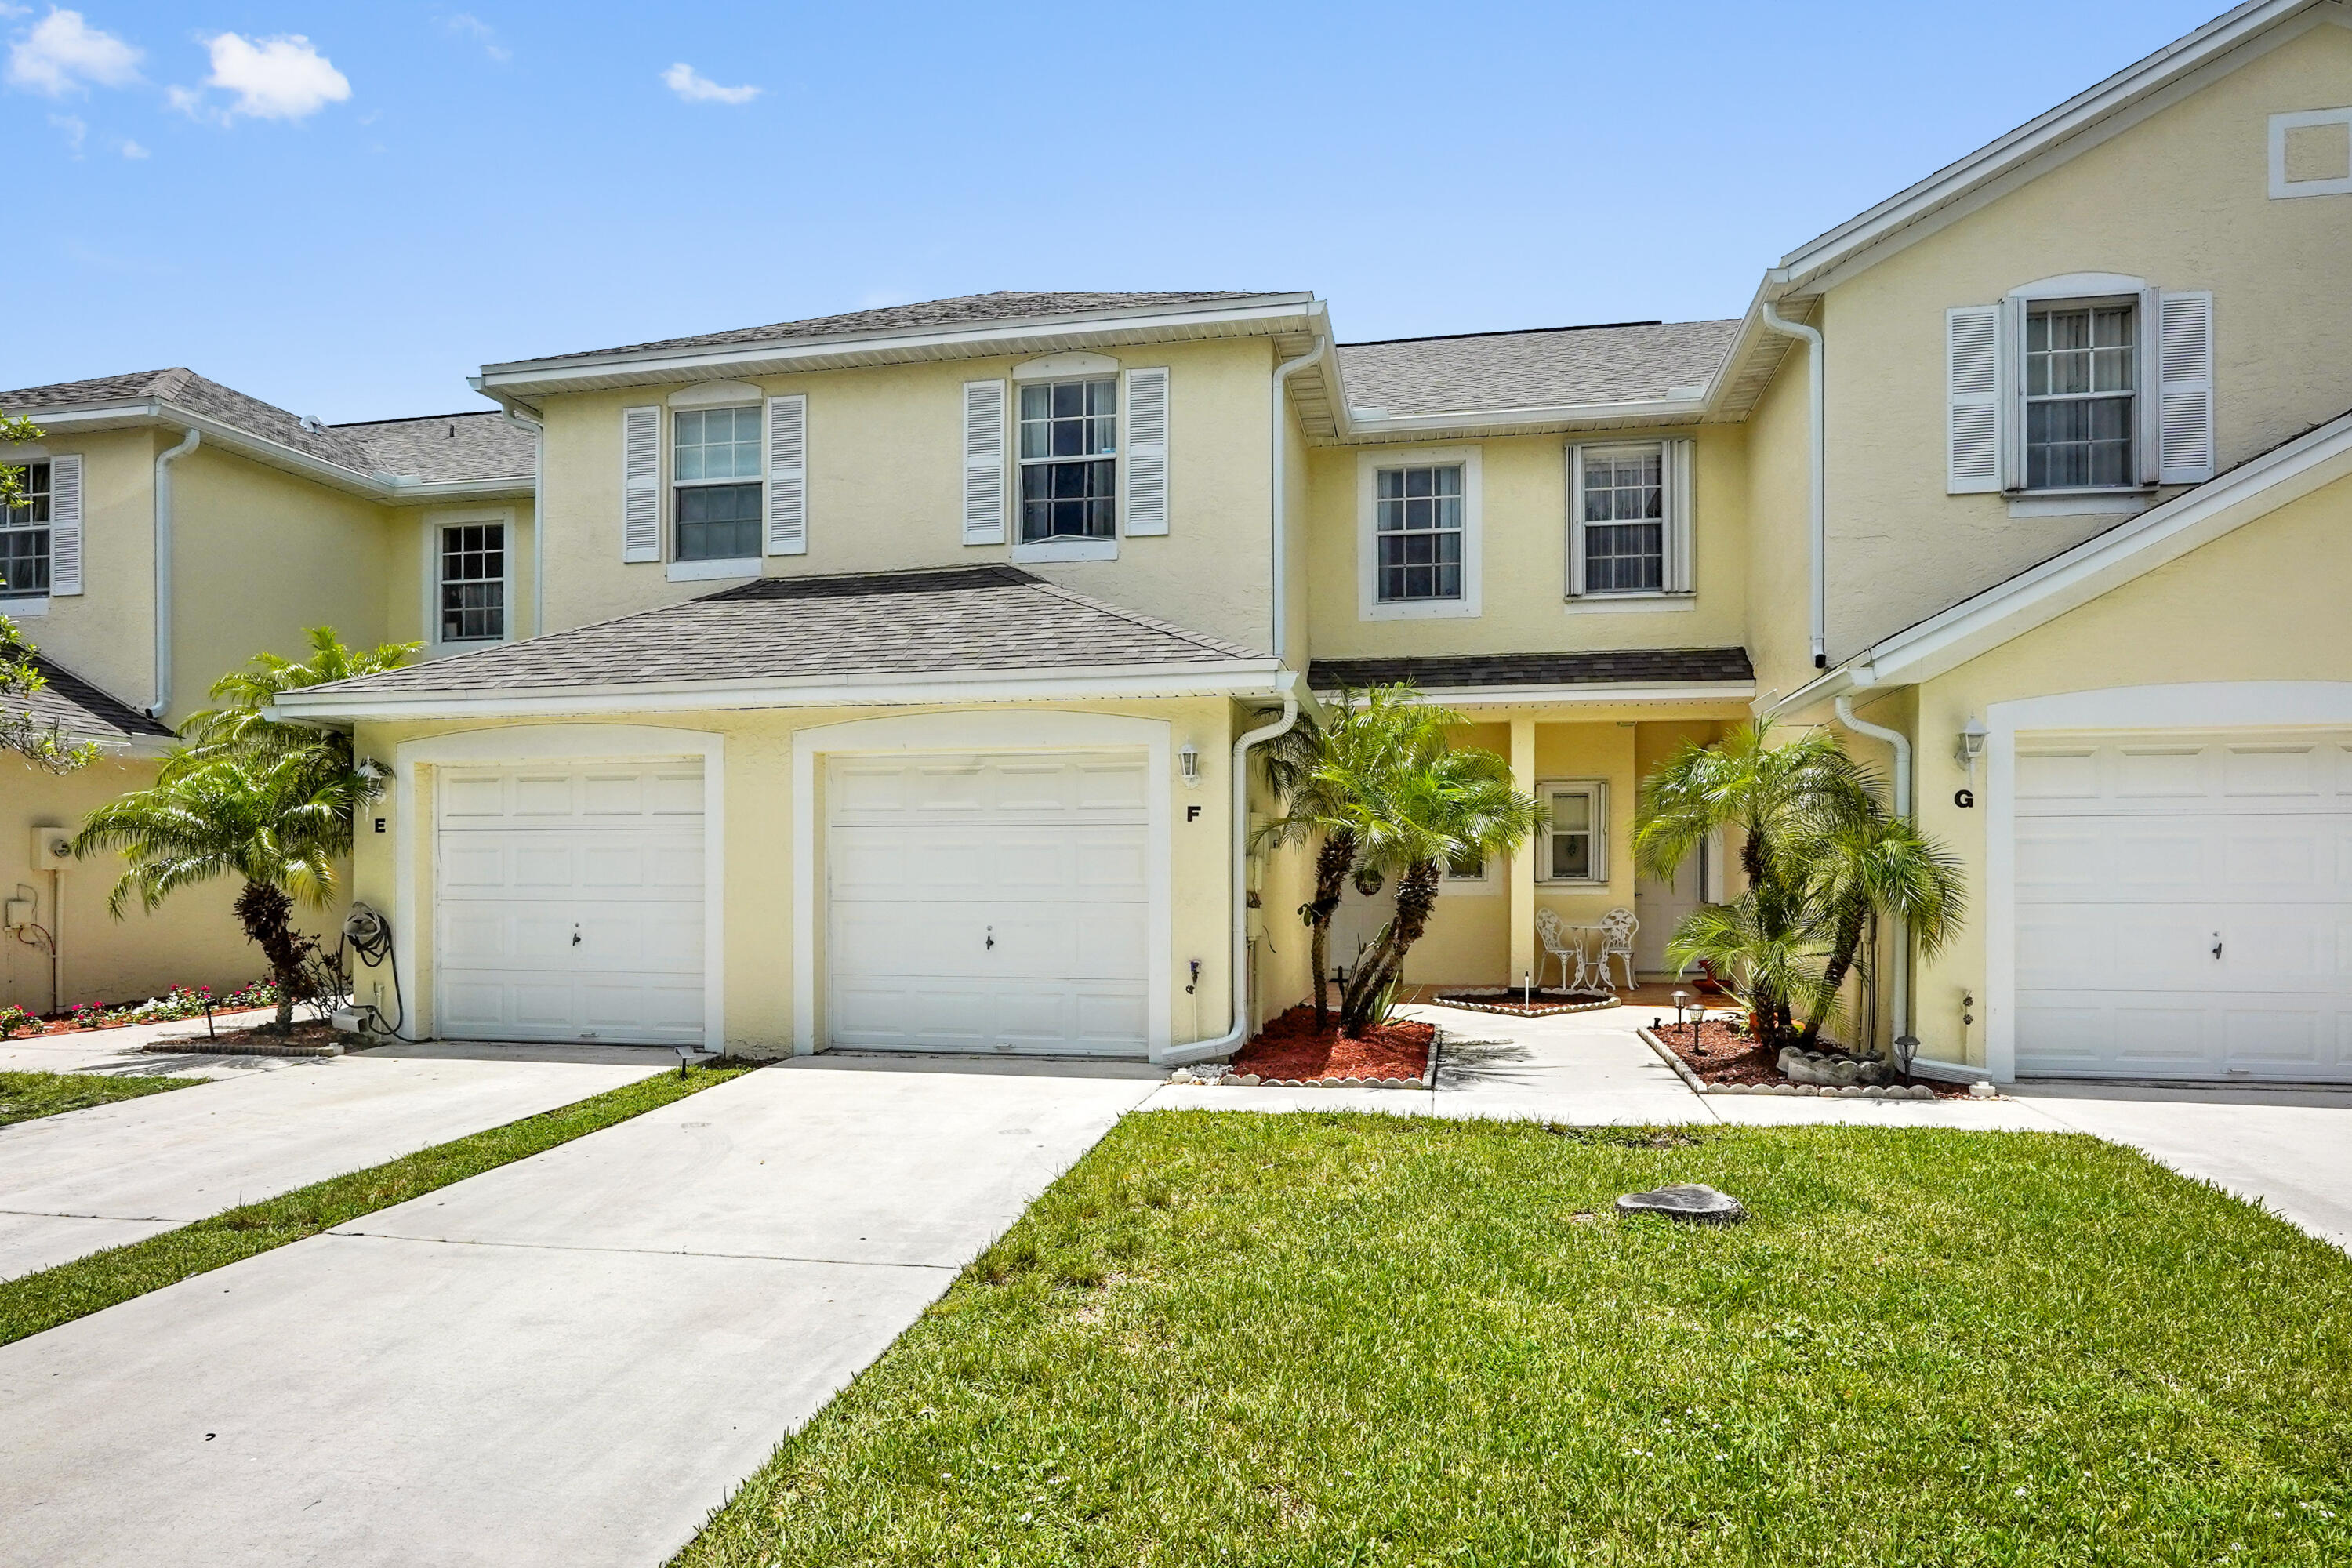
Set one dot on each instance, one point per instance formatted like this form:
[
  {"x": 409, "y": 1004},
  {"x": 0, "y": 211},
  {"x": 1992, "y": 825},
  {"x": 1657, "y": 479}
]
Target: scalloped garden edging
[
  {"x": 1457, "y": 999},
  {"x": 1851, "y": 1091}
]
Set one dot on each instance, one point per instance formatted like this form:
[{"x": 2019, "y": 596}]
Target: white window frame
[
  {"x": 29, "y": 604},
  {"x": 432, "y": 523},
  {"x": 1489, "y": 878},
  {"x": 1677, "y": 457},
  {"x": 2281, "y": 187},
  {"x": 2077, "y": 290},
  {"x": 1368, "y": 465},
  {"x": 1060, "y": 368},
  {"x": 676, "y": 570},
  {"x": 1598, "y": 792}
]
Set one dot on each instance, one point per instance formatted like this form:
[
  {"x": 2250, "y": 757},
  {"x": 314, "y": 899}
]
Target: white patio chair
[
  {"x": 1557, "y": 943},
  {"x": 1617, "y": 929}
]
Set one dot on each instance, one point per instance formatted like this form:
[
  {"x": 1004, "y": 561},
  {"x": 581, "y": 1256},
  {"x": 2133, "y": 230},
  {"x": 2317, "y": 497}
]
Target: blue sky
[{"x": 346, "y": 209}]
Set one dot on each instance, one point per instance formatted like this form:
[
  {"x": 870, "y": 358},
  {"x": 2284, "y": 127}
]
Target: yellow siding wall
[
  {"x": 2180, "y": 199},
  {"x": 104, "y": 634},
  {"x": 193, "y": 940},
  {"x": 886, "y": 488},
  {"x": 2265, "y": 602},
  {"x": 1779, "y": 558},
  {"x": 1524, "y": 605},
  {"x": 759, "y": 847},
  {"x": 410, "y": 571}
]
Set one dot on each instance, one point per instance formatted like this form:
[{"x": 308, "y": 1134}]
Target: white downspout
[
  {"x": 538, "y": 515},
  {"x": 1282, "y": 374},
  {"x": 1817, "y": 534},
  {"x": 1231, "y": 1040},
  {"x": 163, "y": 461},
  {"x": 1903, "y": 807}
]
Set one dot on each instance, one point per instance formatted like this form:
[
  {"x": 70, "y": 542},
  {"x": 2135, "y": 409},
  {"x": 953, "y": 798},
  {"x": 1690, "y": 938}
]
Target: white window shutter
[
  {"x": 1575, "y": 521},
  {"x": 983, "y": 462},
  {"x": 641, "y": 484},
  {"x": 1146, "y": 451},
  {"x": 2184, "y": 388},
  {"x": 65, "y": 525},
  {"x": 1677, "y": 469},
  {"x": 788, "y": 476},
  {"x": 1972, "y": 388}
]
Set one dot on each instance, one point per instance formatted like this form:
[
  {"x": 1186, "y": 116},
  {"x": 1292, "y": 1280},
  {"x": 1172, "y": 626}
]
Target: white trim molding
[
  {"x": 2283, "y": 188},
  {"x": 711, "y": 571},
  {"x": 1369, "y": 464},
  {"x": 964, "y": 733},
  {"x": 512, "y": 744},
  {"x": 2188, "y": 705}
]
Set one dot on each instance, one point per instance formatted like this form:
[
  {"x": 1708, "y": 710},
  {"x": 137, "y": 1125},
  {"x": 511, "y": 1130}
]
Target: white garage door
[
  {"x": 569, "y": 903},
  {"x": 2184, "y": 906},
  {"x": 988, "y": 903}
]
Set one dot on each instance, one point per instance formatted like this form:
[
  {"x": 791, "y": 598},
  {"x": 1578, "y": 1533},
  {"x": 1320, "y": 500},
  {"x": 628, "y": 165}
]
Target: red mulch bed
[
  {"x": 1724, "y": 1055},
  {"x": 63, "y": 1024},
  {"x": 1291, "y": 1049}
]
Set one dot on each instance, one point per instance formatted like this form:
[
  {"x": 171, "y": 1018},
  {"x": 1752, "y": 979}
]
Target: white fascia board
[
  {"x": 1254, "y": 678},
  {"x": 1802, "y": 267},
  {"x": 1562, "y": 415},
  {"x": 421, "y": 492},
  {"x": 976, "y": 338},
  {"x": 2039, "y": 595},
  {"x": 1586, "y": 696},
  {"x": 93, "y": 416}
]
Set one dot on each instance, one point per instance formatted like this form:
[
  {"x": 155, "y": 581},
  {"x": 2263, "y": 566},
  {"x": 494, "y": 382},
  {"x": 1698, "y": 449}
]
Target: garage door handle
[
  {"x": 992, "y": 939},
  {"x": 2217, "y": 944},
  {"x": 575, "y": 936}
]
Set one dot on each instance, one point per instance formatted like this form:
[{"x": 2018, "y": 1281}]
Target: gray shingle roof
[
  {"x": 82, "y": 711},
  {"x": 964, "y": 310},
  {"x": 486, "y": 445},
  {"x": 1562, "y": 366},
  {"x": 444, "y": 447},
  {"x": 1611, "y": 667},
  {"x": 959, "y": 620}
]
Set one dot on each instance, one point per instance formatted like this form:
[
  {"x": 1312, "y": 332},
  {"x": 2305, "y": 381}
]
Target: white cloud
[
  {"x": 132, "y": 149},
  {"x": 64, "y": 54},
  {"x": 76, "y": 132},
  {"x": 468, "y": 25},
  {"x": 274, "y": 79},
  {"x": 695, "y": 88}
]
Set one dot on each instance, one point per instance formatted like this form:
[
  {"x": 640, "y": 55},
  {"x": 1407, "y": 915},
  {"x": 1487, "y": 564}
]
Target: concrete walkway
[
  {"x": 569, "y": 1360},
  {"x": 86, "y": 1180}
]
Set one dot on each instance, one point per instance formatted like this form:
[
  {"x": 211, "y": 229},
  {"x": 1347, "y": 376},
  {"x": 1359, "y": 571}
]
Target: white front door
[
  {"x": 1661, "y": 906},
  {"x": 2184, "y": 905},
  {"x": 568, "y": 903},
  {"x": 988, "y": 903}
]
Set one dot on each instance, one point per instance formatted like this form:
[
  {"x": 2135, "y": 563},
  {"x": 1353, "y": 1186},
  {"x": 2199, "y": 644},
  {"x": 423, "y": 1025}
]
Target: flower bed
[
  {"x": 1521, "y": 1003},
  {"x": 1292, "y": 1051},
  {"x": 180, "y": 1002},
  {"x": 1723, "y": 1054}
]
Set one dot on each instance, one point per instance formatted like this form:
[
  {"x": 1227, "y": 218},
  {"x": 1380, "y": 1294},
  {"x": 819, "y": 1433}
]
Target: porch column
[{"x": 1523, "y": 863}]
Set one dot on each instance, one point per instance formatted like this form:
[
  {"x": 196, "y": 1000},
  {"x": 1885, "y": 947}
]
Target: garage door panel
[
  {"x": 2133, "y": 856},
  {"x": 927, "y": 858},
  {"x": 569, "y": 903}
]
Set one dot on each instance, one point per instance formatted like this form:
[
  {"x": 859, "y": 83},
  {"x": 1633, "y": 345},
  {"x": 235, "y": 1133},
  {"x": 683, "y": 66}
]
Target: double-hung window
[
  {"x": 473, "y": 583},
  {"x": 715, "y": 475},
  {"x": 1574, "y": 836},
  {"x": 1417, "y": 525},
  {"x": 1069, "y": 459},
  {"x": 1622, "y": 513},
  {"x": 24, "y": 537},
  {"x": 2080, "y": 394}
]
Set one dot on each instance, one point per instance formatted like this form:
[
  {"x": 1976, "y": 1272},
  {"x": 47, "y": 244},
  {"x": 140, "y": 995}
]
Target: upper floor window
[
  {"x": 1418, "y": 526},
  {"x": 24, "y": 537},
  {"x": 715, "y": 474},
  {"x": 1623, "y": 513},
  {"x": 473, "y": 586},
  {"x": 2081, "y": 376},
  {"x": 1069, "y": 459}
]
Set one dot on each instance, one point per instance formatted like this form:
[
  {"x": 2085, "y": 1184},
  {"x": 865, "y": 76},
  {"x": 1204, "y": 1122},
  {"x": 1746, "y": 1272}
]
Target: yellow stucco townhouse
[
  {"x": 172, "y": 528},
  {"x": 898, "y": 671}
]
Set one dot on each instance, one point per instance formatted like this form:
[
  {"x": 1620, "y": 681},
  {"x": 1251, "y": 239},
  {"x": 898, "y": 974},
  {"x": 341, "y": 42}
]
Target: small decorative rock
[
  {"x": 1980, "y": 1089},
  {"x": 1689, "y": 1201}
]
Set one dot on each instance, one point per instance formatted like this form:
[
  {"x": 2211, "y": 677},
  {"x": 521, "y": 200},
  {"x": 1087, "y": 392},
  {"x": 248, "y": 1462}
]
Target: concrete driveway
[
  {"x": 74, "y": 1183},
  {"x": 569, "y": 1361}
]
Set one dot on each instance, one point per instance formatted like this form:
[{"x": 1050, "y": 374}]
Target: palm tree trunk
[
  {"x": 1332, "y": 863},
  {"x": 1841, "y": 964},
  {"x": 1416, "y": 899},
  {"x": 266, "y": 914}
]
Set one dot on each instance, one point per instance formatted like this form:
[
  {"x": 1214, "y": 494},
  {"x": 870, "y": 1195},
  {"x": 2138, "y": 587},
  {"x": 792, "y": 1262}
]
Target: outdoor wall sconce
[
  {"x": 1188, "y": 762},
  {"x": 1972, "y": 744}
]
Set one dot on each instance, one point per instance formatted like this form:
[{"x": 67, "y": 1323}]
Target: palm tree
[
  {"x": 1865, "y": 863},
  {"x": 241, "y": 727},
  {"x": 278, "y": 825},
  {"x": 1430, "y": 804},
  {"x": 1319, "y": 773}
]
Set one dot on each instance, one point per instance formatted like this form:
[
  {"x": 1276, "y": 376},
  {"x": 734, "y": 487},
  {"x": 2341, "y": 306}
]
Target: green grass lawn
[
  {"x": 1330, "y": 1340},
  {"x": 25, "y": 1095},
  {"x": 75, "y": 1289}
]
